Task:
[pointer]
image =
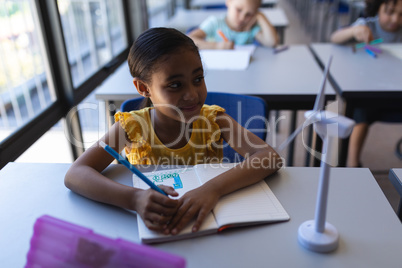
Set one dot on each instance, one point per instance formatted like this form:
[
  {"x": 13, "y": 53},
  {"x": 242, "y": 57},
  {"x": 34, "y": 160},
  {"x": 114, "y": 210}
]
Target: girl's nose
[{"x": 190, "y": 94}]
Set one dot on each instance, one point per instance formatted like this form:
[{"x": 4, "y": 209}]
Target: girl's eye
[
  {"x": 175, "y": 85},
  {"x": 199, "y": 79}
]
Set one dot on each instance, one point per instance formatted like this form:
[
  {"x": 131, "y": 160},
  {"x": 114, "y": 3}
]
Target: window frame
[{"x": 67, "y": 97}]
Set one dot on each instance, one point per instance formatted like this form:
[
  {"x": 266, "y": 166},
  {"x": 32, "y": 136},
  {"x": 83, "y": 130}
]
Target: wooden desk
[
  {"x": 361, "y": 80},
  {"x": 219, "y": 3},
  {"x": 370, "y": 232},
  {"x": 395, "y": 176},
  {"x": 288, "y": 80},
  {"x": 185, "y": 19}
]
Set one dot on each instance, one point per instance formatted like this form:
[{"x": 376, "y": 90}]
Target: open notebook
[
  {"x": 255, "y": 204},
  {"x": 228, "y": 59}
]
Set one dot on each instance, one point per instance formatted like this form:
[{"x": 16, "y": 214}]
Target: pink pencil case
[{"x": 56, "y": 243}]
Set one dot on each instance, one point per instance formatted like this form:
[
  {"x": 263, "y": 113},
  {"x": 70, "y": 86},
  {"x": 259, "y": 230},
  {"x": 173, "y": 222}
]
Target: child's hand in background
[
  {"x": 252, "y": 21},
  {"x": 225, "y": 45},
  {"x": 155, "y": 209},
  {"x": 197, "y": 204},
  {"x": 362, "y": 33}
]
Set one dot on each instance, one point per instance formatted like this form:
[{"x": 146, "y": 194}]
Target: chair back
[
  {"x": 131, "y": 104},
  {"x": 250, "y": 112}
]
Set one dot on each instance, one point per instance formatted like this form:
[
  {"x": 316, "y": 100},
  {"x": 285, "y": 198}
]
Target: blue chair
[
  {"x": 132, "y": 104},
  {"x": 250, "y": 112}
]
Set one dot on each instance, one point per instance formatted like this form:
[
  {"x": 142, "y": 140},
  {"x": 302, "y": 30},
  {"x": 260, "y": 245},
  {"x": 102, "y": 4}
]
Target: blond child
[{"x": 242, "y": 24}]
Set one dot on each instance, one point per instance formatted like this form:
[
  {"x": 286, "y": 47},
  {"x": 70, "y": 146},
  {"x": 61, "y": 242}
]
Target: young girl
[
  {"x": 384, "y": 21},
  {"x": 242, "y": 24},
  {"x": 167, "y": 70}
]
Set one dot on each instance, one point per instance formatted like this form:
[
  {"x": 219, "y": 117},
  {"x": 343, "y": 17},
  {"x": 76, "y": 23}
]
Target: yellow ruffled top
[{"x": 204, "y": 145}]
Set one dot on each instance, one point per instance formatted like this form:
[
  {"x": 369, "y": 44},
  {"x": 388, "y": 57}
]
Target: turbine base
[{"x": 319, "y": 242}]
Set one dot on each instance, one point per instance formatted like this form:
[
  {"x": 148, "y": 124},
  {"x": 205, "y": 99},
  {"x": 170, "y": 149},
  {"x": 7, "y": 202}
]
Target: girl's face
[
  {"x": 177, "y": 87},
  {"x": 240, "y": 13},
  {"x": 390, "y": 16}
]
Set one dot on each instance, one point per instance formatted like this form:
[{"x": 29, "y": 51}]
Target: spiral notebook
[{"x": 252, "y": 205}]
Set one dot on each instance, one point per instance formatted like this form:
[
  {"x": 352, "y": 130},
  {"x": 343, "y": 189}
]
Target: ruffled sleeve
[
  {"x": 210, "y": 112},
  {"x": 136, "y": 128}
]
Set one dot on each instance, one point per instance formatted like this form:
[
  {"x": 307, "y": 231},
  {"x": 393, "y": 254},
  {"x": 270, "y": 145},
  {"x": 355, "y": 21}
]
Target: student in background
[
  {"x": 242, "y": 24},
  {"x": 178, "y": 130},
  {"x": 384, "y": 21}
]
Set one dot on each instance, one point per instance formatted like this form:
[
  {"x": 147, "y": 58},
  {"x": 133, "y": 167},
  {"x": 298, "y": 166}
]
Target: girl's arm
[
  {"x": 267, "y": 36},
  {"x": 260, "y": 161},
  {"x": 84, "y": 177},
  {"x": 360, "y": 33},
  {"x": 199, "y": 36}
]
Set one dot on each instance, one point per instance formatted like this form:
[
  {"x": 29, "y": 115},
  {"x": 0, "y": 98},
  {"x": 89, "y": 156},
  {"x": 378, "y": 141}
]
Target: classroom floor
[{"x": 378, "y": 152}]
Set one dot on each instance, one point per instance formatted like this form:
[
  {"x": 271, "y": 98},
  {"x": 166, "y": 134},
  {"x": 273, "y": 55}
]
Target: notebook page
[
  {"x": 182, "y": 180},
  {"x": 225, "y": 59},
  {"x": 250, "y": 48},
  {"x": 392, "y": 49},
  {"x": 253, "y": 204}
]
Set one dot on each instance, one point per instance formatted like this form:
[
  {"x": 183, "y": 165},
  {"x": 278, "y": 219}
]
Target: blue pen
[
  {"x": 125, "y": 163},
  {"x": 371, "y": 53}
]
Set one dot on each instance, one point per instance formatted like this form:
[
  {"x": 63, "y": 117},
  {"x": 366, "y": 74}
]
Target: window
[
  {"x": 51, "y": 59},
  {"x": 94, "y": 32},
  {"x": 25, "y": 87}
]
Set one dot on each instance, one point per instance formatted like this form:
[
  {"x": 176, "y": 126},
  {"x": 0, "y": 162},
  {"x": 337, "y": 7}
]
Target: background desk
[
  {"x": 288, "y": 80},
  {"x": 370, "y": 232},
  {"x": 361, "y": 80},
  {"x": 185, "y": 19},
  {"x": 395, "y": 176}
]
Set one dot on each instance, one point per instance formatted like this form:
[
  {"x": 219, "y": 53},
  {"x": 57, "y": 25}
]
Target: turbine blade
[{"x": 290, "y": 138}]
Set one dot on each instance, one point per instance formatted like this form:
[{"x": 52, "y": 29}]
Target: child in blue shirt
[
  {"x": 242, "y": 24},
  {"x": 384, "y": 21}
]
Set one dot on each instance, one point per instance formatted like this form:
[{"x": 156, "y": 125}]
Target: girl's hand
[
  {"x": 197, "y": 203},
  {"x": 362, "y": 33},
  {"x": 252, "y": 22},
  {"x": 155, "y": 209},
  {"x": 225, "y": 45}
]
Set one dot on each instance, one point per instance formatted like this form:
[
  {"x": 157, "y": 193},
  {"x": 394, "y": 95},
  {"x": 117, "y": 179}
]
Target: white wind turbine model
[{"x": 319, "y": 235}]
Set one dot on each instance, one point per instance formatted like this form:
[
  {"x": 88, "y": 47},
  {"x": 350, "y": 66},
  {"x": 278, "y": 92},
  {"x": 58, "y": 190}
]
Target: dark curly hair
[{"x": 372, "y": 6}]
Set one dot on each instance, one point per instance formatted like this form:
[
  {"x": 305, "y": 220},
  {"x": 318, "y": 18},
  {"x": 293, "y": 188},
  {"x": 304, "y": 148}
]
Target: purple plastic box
[{"x": 56, "y": 243}]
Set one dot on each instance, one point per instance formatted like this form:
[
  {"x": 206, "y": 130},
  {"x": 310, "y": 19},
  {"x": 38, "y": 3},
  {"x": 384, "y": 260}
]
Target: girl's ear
[{"x": 141, "y": 87}]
